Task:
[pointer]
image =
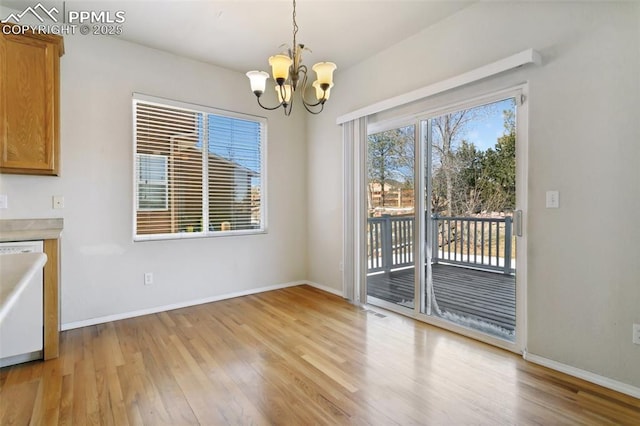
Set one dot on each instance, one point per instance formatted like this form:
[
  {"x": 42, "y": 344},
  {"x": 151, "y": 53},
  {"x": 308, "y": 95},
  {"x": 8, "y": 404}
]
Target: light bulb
[
  {"x": 286, "y": 88},
  {"x": 321, "y": 94},
  {"x": 324, "y": 71},
  {"x": 280, "y": 68},
  {"x": 258, "y": 80}
]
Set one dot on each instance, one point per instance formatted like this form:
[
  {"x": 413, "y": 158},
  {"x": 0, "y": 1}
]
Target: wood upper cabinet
[{"x": 29, "y": 102}]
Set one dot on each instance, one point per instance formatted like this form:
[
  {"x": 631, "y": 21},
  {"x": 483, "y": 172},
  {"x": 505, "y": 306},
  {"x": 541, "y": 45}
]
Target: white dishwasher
[{"x": 21, "y": 331}]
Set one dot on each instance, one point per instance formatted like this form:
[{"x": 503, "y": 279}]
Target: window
[
  {"x": 152, "y": 182},
  {"x": 198, "y": 171}
]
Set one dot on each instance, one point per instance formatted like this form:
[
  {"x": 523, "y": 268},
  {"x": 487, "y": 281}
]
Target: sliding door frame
[
  {"x": 422, "y": 186},
  {"x": 417, "y": 204}
]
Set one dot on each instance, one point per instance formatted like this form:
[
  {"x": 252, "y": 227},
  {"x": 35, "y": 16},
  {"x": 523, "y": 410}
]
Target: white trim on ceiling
[{"x": 529, "y": 56}]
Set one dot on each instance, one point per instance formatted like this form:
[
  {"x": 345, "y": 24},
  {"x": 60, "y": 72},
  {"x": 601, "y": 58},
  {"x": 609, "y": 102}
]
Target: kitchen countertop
[
  {"x": 16, "y": 270},
  {"x": 30, "y": 229}
]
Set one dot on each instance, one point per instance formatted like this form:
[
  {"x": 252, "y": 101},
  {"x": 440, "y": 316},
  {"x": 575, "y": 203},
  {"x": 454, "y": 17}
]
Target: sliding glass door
[
  {"x": 391, "y": 214},
  {"x": 442, "y": 218},
  {"x": 471, "y": 195}
]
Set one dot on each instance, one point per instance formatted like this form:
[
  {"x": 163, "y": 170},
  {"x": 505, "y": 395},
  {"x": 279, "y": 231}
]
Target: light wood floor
[{"x": 296, "y": 356}]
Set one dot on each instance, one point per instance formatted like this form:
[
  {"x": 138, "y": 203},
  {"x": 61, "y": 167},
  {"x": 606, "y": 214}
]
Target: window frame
[{"x": 205, "y": 232}]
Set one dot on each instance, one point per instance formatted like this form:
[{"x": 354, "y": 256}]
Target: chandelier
[{"x": 290, "y": 74}]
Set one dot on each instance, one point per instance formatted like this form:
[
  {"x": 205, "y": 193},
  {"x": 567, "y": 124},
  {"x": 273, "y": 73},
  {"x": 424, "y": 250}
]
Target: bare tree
[{"x": 447, "y": 133}]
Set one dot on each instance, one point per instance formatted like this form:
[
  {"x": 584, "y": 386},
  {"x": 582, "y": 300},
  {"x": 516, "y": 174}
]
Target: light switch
[
  {"x": 4, "y": 201},
  {"x": 553, "y": 199},
  {"x": 58, "y": 202}
]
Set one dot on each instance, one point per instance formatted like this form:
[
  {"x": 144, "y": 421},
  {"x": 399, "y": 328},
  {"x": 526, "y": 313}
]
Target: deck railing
[
  {"x": 484, "y": 243},
  {"x": 390, "y": 241},
  {"x": 477, "y": 242}
]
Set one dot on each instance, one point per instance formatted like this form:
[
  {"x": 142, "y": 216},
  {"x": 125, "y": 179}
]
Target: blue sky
[{"x": 484, "y": 132}]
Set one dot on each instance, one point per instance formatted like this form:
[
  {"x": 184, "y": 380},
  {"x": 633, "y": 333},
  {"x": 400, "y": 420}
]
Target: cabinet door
[{"x": 28, "y": 105}]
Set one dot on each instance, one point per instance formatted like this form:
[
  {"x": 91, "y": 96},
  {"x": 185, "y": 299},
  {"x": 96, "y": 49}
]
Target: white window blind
[{"x": 198, "y": 171}]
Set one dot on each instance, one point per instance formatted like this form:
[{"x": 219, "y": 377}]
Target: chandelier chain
[{"x": 295, "y": 27}]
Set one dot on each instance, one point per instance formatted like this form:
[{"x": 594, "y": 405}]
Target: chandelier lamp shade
[{"x": 291, "y": 76}]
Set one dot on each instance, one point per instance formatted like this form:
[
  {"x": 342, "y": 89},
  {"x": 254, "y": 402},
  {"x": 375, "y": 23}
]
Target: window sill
[{"x": 192, "y": 235}]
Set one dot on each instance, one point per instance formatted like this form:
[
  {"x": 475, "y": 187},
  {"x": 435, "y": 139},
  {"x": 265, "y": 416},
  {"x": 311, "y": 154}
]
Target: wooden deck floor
[{"x": 486, "y": 297}]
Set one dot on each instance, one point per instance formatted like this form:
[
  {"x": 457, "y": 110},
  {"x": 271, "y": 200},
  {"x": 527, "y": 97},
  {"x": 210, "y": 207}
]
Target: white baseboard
[
  {"x": 155, "y": 310},
  {"x": 606, "y": 382},
  {"x": 325, "y": 288}
]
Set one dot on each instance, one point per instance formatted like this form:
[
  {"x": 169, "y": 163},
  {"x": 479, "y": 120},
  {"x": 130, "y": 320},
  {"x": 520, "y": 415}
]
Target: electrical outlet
[
  {"x": 636, "y": 334},
  {"x": 148, "y": 278}
]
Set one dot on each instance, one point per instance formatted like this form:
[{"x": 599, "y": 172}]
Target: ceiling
[{"x": 241, "y": 35}]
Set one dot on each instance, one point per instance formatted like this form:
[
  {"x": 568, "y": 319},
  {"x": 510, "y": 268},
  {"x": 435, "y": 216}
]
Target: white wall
[
  {"x": 102, "y": 269},
  {"x": 583, "y": 269}
]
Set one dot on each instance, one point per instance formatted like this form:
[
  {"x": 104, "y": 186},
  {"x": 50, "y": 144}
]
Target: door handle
[{"x": 517, "y": 222}]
